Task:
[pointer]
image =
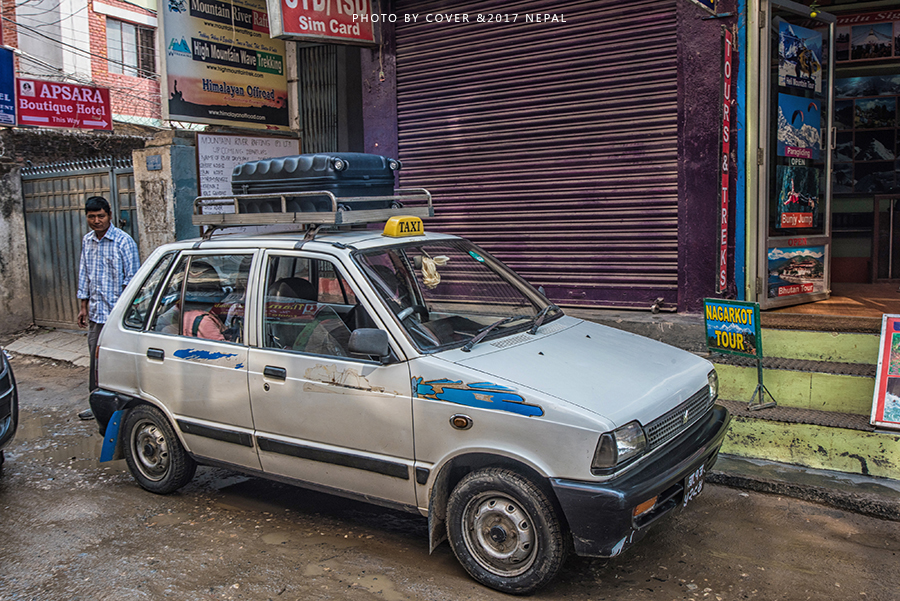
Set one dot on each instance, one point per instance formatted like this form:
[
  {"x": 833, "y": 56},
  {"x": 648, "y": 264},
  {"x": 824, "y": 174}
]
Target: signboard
[
  {"x": 796, "y": 270},
  {"x": 7, "y": 88},
  {"x": 59, "y": 104},
  {"x": 218, "y": 154},
  {"x": 221, "y": 66},
  {"x": 799, "y": 127},
  {"x": 724, "y": 154},
  {"x": 709, "y": 5},
  {"x": 732, "y": 327},
  {"x": 328, "y": 21},
  {"x": 886, "y": 401}
]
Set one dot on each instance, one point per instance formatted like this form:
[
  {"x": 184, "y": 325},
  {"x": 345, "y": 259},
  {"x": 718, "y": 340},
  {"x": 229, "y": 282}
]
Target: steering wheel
[{"x": 418, "y": 309}]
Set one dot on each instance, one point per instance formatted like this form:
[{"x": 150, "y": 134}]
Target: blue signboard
[
  {"x": 709, "y": 5},
  {"x": 733, "y": 327},
  {"x": 7, "y": 88}
]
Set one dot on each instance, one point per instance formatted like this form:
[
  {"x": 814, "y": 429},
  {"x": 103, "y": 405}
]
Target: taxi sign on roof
[{"x": 402, "y": 226}]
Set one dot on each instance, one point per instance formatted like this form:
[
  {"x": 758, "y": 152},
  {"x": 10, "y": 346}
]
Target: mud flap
[{"x": 111, "y": 448}]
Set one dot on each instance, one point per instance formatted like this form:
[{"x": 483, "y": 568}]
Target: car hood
[{"x": 615, "y": 374}]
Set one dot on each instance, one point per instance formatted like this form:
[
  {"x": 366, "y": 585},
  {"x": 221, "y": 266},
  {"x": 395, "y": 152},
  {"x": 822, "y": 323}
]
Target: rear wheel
[
  {"x": 155, "y": 456},
  {"x": 505, "y": 531}
]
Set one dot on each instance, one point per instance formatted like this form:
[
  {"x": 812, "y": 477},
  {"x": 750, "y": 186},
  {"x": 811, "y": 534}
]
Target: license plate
[{"x": 693, "y": 484}]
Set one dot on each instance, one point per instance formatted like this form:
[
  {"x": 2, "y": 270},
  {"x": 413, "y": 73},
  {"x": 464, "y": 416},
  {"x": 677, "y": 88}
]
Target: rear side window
[{"x": 139, "y": 309}]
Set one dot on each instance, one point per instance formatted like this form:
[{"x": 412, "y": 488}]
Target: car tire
[
  {"x": 155, "y": 456},
  {"x": 505, "y": 531}
]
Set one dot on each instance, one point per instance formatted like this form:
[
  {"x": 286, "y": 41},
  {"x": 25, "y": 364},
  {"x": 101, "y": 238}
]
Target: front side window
[
  {"x": 446, "y": 293},
  {"x": 309, "y": 307},
  {"x": 205, "y": 298}
]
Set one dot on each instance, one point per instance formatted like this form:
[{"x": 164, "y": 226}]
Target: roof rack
[{"x": 278, "y": 209}]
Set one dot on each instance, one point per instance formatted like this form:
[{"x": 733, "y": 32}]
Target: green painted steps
[{"x": 823, "y": 383}]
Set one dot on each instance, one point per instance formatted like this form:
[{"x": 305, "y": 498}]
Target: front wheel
[
  {"x": 155, "y": 456},
  {"x": 505, "y": 531}
]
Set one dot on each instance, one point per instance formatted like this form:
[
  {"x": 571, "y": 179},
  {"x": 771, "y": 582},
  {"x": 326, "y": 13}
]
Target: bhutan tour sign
[
  {"x": 58, "y": 104},
  {"x": 329, "y": 21},
  {"x": 732, "y": 327}
]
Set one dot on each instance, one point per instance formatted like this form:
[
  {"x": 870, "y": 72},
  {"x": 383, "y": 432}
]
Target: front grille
[{"x": 662, "y": 430}]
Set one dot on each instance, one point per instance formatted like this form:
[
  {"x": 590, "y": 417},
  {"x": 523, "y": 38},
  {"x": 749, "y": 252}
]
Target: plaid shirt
[{"x": 107, "y": 265}]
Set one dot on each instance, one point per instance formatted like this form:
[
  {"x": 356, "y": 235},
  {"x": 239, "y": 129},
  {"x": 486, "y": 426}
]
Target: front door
[
  {"x": 323, "y": 415},
  {"x": 796, "y": 93}
]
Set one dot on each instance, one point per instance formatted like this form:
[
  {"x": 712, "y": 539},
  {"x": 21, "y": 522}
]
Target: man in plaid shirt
[{"x": 109, "y": 259}]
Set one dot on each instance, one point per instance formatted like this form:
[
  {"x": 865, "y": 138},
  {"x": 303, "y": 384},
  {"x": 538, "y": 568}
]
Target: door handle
[
  {"x": 276, "y": 373},
  {"x": 156, "y": 353}
]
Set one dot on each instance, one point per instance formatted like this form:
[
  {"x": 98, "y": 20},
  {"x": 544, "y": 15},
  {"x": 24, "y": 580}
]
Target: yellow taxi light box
[{"x": 400, "y": 227}]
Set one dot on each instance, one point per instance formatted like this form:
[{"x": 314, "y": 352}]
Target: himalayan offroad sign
[
  {"x": 329, "y": 21},
  {"x": 733, "y": 327},
  {"x": 58, "y": 104}
]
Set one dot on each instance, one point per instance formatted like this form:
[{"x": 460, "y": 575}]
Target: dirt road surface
[{"x": 74, "y": 529}]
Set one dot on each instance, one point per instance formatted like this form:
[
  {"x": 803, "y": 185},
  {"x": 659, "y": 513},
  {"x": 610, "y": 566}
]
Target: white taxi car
[{"x": 410, "y": 369}]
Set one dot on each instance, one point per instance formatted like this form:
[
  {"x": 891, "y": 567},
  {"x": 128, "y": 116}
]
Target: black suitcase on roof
[{"x": 344, "y": 174}]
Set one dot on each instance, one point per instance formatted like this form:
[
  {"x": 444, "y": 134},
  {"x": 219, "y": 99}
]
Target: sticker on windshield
[
  {"x": 476, "y": 256},
  {"x": 483, "y": 395}
]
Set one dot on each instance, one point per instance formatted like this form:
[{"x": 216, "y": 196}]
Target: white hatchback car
[{"x": 412, "y": 370}]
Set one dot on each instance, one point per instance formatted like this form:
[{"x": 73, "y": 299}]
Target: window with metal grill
[{"x": 131, "y": 49}]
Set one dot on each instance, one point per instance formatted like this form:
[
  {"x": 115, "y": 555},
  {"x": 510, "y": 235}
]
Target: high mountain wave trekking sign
[
  {"x": 58, "y": 104},
  {"x": 733, "y": 327}
]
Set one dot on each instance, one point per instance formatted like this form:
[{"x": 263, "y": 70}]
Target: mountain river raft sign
[{"x": 57, "y": 104}]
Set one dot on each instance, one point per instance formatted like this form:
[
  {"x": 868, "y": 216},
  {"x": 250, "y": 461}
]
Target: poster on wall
[
  {"x": 7, "y": 88},
  {"x": 221, "y": 67},
  {"x": 799, "y": 57},
  {"x": 796, "y": 270},
  {"x": 799, "y": 127},
  {"x": 798, "y": 196},
  {"x": 886, "y": 401}
]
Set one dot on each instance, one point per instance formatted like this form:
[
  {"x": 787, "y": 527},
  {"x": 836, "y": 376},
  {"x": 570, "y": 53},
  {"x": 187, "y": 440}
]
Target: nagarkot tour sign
[{"x": 732, "y": 327}]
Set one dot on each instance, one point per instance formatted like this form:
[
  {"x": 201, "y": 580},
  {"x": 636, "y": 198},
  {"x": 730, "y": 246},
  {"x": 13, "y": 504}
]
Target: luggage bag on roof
[{"x": 344, "y": 174}]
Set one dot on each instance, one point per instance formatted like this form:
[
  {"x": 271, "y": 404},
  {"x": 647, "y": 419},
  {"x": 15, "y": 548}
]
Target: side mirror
[{"x": 370, "y": 341}]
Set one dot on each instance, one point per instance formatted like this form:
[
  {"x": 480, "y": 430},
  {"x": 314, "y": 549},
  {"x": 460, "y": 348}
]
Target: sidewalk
[{"x": 877, "y": 497}]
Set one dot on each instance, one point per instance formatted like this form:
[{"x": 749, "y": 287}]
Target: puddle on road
[{"x": 44, "y": 437}]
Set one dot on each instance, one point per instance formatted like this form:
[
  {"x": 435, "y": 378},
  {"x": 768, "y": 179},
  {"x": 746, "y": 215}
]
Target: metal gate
[
  {"x": 55, "y": 224},
  {"x": 552, "y": 144}
]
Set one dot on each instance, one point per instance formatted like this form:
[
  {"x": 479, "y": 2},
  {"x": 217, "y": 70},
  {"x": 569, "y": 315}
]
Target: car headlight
[
  {"x": 620, "y": 446},
  {"x": 713, "y": 378}
]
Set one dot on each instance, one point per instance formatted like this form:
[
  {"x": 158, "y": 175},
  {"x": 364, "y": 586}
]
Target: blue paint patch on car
[
  {"x": 483, "y": 395},
  {"x": 239, "y": 366},
  {"x": 190, "y": 354}
]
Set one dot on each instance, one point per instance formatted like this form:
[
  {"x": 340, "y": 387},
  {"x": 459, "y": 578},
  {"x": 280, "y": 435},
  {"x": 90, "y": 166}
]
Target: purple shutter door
[{"x": 552, "y": 145}]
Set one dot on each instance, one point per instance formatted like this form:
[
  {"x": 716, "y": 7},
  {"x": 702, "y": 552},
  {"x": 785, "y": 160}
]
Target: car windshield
[{"x": 450, "y": 293}]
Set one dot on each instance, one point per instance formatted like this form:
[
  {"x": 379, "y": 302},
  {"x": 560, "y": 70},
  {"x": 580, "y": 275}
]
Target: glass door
[{"x": 796, "y": 138}]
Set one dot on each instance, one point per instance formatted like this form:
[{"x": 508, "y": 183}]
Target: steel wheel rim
[
  {"x": 499, "y": 533},
  {"x": 150, "y": 450}
]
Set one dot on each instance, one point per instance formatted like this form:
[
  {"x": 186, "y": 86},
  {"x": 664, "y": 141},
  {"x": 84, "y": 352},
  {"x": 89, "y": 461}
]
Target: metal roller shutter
[{"x": 553, "y": 145}]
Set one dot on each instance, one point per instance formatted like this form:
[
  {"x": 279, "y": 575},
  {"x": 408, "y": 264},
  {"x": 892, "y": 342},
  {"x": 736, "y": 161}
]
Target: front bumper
[{"x": 600, "y": 513}]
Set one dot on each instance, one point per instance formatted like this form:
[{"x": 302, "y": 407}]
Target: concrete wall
[
  {"x": 15, "y": 287},
  {"x": 165, "y": 196}
]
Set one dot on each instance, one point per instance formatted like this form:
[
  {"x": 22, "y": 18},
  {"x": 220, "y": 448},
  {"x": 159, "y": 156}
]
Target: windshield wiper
[
  {"x": 539, "y": 318},
  {"x": 479, "y": 336}
]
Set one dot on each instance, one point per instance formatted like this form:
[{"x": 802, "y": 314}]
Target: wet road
[{"x": 71, "y": 528}]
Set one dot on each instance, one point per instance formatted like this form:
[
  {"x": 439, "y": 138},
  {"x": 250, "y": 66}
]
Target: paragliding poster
[
  {"x": 798, "y": 196},
  {"x": 886, "y": 401},
  {"x": 799, "y": 57},
  {"x": 799, "y": 127},
  {"x": 796, "y": 270}
]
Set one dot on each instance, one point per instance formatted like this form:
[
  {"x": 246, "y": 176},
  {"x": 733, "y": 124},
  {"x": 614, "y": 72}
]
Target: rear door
[
  {"x": 324, "y": 416},
  {"x": 193, "y": 357}
]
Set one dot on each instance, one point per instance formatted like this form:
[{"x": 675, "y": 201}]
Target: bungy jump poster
[
  {"x": 799, "y": 57},
  {"x": 221, "y": 66},
  {"x": 799, "y": 127},
  {"x": 796, "y": 270},
  {"x": 886, "y": 401},
  {"x": 798, "y": 196}
]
